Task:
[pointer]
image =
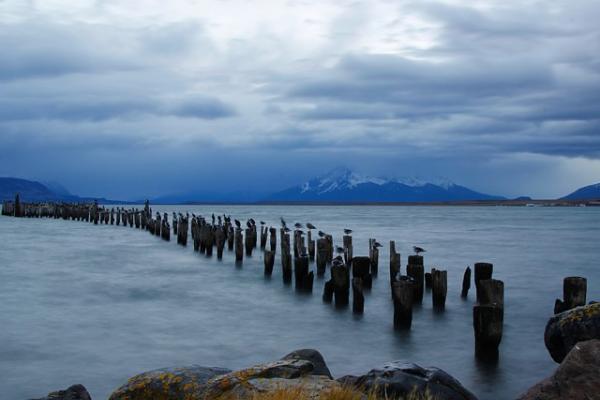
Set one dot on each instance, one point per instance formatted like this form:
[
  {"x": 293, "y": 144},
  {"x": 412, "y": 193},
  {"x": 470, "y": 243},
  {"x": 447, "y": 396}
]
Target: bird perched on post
[
  {"x": 282, "y": 222},
  {"x": 376, "y": 244},
  {"x": 238, "y": 224},
  {"x": 347, "y": 231},
  {"x": 418, "y": 250},
  {"x": 252, "y": 221},
  {"x": 249, "y": 224},
  {"x": 298, "y": 225},
  {"x": 321, "y": 234},
  {"x": 262, "y": 222},
  {"x": 310, "y": 226},
  {"x": 339, "y": 250}
]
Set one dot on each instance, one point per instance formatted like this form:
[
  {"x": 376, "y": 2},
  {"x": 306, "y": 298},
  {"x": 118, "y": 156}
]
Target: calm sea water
[{"x": 97, "y": 304}]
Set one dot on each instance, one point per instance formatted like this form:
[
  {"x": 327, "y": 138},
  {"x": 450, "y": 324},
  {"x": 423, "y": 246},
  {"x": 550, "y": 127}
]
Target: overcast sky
[{"x": 127, "y": 99}]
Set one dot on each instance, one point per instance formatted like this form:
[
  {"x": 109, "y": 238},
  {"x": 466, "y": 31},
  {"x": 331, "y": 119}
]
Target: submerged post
[
  {"x": 402, "y": 293},
  {"x": 466, "y": 284},
  {"x": 439, "y": 286}
]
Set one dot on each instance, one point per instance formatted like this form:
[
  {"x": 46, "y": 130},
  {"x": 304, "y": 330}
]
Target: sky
[{"x": 132, "y": 99}]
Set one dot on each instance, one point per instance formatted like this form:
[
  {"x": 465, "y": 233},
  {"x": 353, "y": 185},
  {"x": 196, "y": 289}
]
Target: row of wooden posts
[{"x": 347, "y": 272}]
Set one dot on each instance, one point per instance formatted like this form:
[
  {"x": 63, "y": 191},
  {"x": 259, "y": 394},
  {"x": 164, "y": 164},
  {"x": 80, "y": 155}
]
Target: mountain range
[
  {"x": 346, "y": 186},
  {"x": 340, "y": 185}
]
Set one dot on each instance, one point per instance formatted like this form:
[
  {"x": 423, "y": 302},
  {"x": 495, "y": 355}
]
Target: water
[{"x": 97, "y": 304}]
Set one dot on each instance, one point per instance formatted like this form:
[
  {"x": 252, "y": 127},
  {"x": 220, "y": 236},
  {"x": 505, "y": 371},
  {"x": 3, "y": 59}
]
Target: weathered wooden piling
[
  {"x": 416, "y": 271},
  {"x": 428, "y": 280},
  {"x": 286, "y": 267},
  {"x": 263, "y": 237},
  {"x": 394, "y": 265},
  {"x": 361, "y": 268},
  {"x": 18, "y": 206},
  {"x": 483, "y": 271},
  {"x": 311, "y": 246},
  {"x": 328, "y": 291},
  {"x": 466, "y": 283},
  {"x": 348, "y": 251},
  {"x": 269, "y": 258},
  {"x": 230, "y": 238},
  {"x": 358, "y": 298},
  {"x": 341, "y": 283},
  {"x": 304, "y": 278},
  {"x": 220, "y": 241},
  {"x": 322, "y": 256},
  {"x": 248, "y": 242},
  {"x": 402, "y": 292},
  {"x": 439, "y": 286},
  {"x": 239, "y": 245},
  {"x": 374, "y": 257},
  {"x": 488, "y": 317},
  {"x": 273, "y": 239},
  {"x": 574, "y": 292},
  {"x": 488, "y": 320}
]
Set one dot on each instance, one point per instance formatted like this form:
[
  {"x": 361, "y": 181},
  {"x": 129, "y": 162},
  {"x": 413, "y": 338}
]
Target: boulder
[
  {"x": 186, "y": 383},
  {"x": 317, "y": 360},
  {"x": 398, "y": 379},
  {"x": 75, "y": 392},
  {"x": 566, "y": 329},
  {"x": 266, "y": 377},
  {"x": 577, "y": 377}
]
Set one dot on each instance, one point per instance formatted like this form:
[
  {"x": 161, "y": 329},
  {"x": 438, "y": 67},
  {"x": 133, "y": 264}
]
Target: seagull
[
  {"x": 262, "y": 222},
  {"x": 418, "y": 250},
  {"x": 310, "y": 226},
  {"x": 282, "y": 222},
  {"x": 298, "y": 225},
  {"x": 339, "y": 250},
  {"x": 321, "y": 233},
  {"x": 376, "y": 244},
  {"x": 249, "y": 224},
  {"x": 237, "y": 223},
  {"x": 252, "y": 221},
  {"x": 347, "y": 231}
]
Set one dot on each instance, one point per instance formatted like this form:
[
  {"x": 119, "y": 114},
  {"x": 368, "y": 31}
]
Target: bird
[
  {"x": 321, "y": 233},
  {"x": 418, "y": 250},
  {"x": 262, "y": 222},
  {"x": 286, "y": 229},
  {"x": 282, "y": 222},
  {"x": 347, "y": 231},
  {"x": 252, "y": 221},
  {"x": 376, "y": 244},
  {"x": 237, "y": 223},
  {"x": 310, "y": 226},
  {"x": 338, "y": 258},
  {"x": 339, "y": 250},
  {"x": 249, "y": 224},
  {"x": 298, "y": 225}
]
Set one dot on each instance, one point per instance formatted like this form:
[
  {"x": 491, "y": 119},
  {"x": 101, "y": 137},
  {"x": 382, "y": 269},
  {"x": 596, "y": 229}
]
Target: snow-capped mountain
[{"x": 344, "y": 185}]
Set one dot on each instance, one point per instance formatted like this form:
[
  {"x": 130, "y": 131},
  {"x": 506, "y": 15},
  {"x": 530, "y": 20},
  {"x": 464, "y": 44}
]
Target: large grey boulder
[
  {"x": 184, "y": 383},
  {"x": 398, "y": 379},
  {"x": 75, "y": 392},
  {"x": 577, "y": 377},
  {"x": 566, "y": 329}
]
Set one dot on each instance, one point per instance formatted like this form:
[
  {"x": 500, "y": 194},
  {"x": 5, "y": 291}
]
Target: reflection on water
[{"x": 96, "y": 304}]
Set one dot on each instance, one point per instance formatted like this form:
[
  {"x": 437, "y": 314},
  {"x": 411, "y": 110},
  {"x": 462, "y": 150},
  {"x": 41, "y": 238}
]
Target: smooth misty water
[{"x": 97, "y": 304}]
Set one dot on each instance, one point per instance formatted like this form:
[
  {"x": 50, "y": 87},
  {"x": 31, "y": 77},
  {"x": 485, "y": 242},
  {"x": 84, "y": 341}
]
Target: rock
[
  {"x": 317, "y": 360},
  {"x": 169, "y": 384},
  {"x": 577, "y": 377},
  {"x": 75, "y": 392},
  {"x": 564, "y": 330},
  {"x": 398, "y": 379},
  {"x": 243, "y": 382}
]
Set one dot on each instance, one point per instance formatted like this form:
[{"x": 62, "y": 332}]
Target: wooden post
[
  {"x": 439, "y": 283},
  {"x": 230, "y": 238},
  {"x": 402, "y": 292},
  {"x": 311, "y": 246},
  {"x": 574, "y": 291},
  {"x": 269, "y": 257},
  {"x": 286, "y": 267},
  {"x": 488, "y": 317},
  {"x": 322, "y": 255},
  {"x": 428, "y": 279},
  {"x": 417, "y": 273},
  {"x": 394, "y": 265},
  {"x": 239, "y": 245},
  {"x": 273, "y": 239},
  {"x": 304, "y": 278},
  {"x": 328, "y": 291},
  {"x": 483, "y": 271},
  {"x": 220, "y": 241},
  {"x": 487, "y": 325},
  {"x": 466, "y": 284},
  {"x": 358, "y": 298},
  {"x": 341, "y": 283},
  {"x": 348, "y": 252},
  {"x": 248, "y": 242},
  {"x": 374, "y": 256},
  {"x": 263, "y": 237},
  {"x": 361, "y": 267}
]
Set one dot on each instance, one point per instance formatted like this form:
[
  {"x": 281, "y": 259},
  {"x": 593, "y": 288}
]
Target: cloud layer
[{"x": 135, "y": 98}]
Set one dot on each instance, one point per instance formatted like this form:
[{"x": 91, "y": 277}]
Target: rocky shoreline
[{"x": 572, "y": 338}]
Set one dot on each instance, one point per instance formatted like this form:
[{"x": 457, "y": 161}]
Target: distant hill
[
  {"x": 591, "y": 192},
  {"x": 344, "y": 186},
  {"x": 32, "y": 191}
]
